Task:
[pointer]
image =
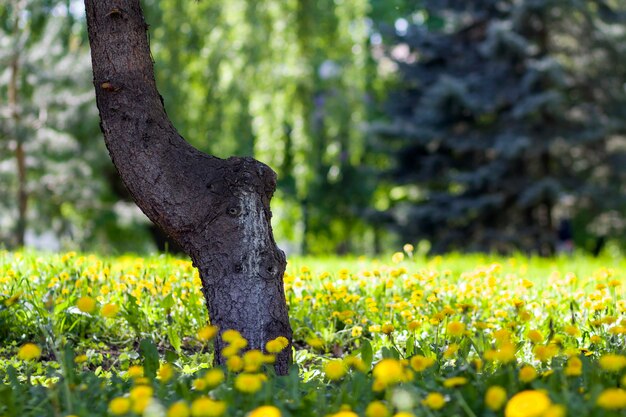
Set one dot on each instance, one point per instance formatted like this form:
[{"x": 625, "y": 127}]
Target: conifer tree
[{"x": 489, "y": 132}]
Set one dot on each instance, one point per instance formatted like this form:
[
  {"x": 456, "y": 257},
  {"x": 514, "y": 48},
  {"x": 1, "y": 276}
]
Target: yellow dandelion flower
[
  {"x": 178, "y": 409},
  {"x": 109, "y": 310},
  {"x": 141, "y": 391},
  {"x": 434, "y": 401},
  {"x": 495, "y": 397},
  {"x": 456, "y": 381},
  {"x": 28, "y": 352},
  {"x": 455, "y": 328},
  {"x": 86, "y": 304},
  {"x": 199, "y": 384},
  {"x": 165, "y": 372},
  {"x": 119, "y": 406},
  {"x": 506, "y": 353},
  {"x": 315, "y": 343},
  {"x": 535, "y": 336},
  {"x": 206, "y": 333},
  {"x": 413, "y": 325},
  {"x": 249, "y": 383},
  {"x": 265, "y": 411},
  {"x": 80, "y": 359},
  {"x": 397, "y": 257},
  {"x": 612, "y": 362},
  {"x": 389, "y": 372},
  {"x": 545, "y": 353},
  {"x": 214, "y": 377},
  {"x": 574, "y": 367},
  {"x": 231, "y": 335},
  {"x": 555, "y": 410},
  {"x": 345, "y": 413},
  {"x": 335, "y": 369},
  {"x": 528, "y": 403},
  {"x": 612, "y": 399},
  {"x": 230, "y": 350},
  {"x": 527, "y": 374},
  {"x": 572, "y": 330},
  {"x": 376, "y": 409},
  {"x": 234, "y": 363},
  {"x": 451, "y": 351},
  {"x": 13, "y": 299},
  {"x": 355, "y": 363},
  {"x": 139, "y": 405},
  {"x": 253, "y": 360},
  {"x": 277, "y": 345},
  {"x": 206, "y": 407},
  {"x": 135, "y": 371},
  {"x": 388, "y": 328},
  {"x": 420, "y": 363}
]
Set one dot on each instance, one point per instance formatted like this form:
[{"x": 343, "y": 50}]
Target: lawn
[{"x": 403, "y": 335}]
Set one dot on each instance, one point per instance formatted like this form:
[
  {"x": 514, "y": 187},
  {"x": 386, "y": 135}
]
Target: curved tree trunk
[{"x": 217, "y": 210}]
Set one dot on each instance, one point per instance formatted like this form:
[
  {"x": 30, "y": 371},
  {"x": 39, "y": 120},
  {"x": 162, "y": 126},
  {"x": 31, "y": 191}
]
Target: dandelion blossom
[
  {"x": 376, "y": 409},
  {"x": 455, "y": 328},
  {"x": 612, "y": 362},
  {"x": 29, "y": 351},
  {"x": 109, "y": 310},
  {"x": 119, "y": 406},
  {"x": 206, "y": 333},
  {"x": 612, "y": 399},
  {"x": 178, "y": 409},
  {"x": 495, "y": 397},
  {"x": 420, "y": 363},
  {"x": 528, "y": 403},
  {"x": 335, "y": 369},
  {"x": 249, "y": 383},
  {"x": 86, "y": 304},
  {"x": 434, "y": 401},
  {"x": 265, "y": 411},
  {"x": 206, "y": 407}
]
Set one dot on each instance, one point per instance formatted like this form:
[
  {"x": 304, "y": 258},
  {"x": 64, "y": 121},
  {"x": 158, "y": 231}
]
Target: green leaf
[
  {"x": 150, "y": 356},
  {"x": 366, "y": 353},
  {"x": 174, "y": 338},
  {"x": 168, "y": 302},
  {"x": 410, "y": 346},
  {"x": 390, "y": 353}
]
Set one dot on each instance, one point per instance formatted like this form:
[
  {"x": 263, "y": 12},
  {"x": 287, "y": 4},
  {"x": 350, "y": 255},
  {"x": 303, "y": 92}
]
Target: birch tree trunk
[{"x": 217, "y": 210}]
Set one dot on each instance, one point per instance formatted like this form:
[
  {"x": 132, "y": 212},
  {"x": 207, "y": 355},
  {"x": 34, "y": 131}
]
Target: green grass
[{"x": 477, "y": 318}]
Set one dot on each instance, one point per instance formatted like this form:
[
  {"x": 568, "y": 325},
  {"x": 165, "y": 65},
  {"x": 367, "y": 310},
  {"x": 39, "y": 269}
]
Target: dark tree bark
[
  {"x": 20, "y": 156},
  {"x": 217, "y": 210}
]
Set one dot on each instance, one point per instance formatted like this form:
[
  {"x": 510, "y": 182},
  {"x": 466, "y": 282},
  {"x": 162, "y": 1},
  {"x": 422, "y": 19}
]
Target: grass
[{"x": 460, "y": 335}]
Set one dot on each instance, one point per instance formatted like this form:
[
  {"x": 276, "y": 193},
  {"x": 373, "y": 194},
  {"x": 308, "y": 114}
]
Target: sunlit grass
[{"x": 456, "y": 335}]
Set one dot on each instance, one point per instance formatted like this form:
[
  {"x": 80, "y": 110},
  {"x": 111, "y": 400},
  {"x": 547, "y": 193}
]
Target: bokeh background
[{"x": 484, "y": 125}]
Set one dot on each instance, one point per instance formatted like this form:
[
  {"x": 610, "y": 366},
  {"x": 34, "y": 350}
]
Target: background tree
[
  {"x": 489, "y": 131},
  {"x": 52, "y": 193}
]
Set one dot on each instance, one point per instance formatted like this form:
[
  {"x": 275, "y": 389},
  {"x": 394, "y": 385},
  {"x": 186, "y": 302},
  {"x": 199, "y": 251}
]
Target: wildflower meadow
[{"x": 402, "y": 336}]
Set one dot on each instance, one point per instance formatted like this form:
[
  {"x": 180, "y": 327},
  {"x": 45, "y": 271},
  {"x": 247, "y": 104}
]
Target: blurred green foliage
[
  {"x": 350, "y": 102},
  {"x": 502, "y": 126},
  {"x": 51, "y": 114}
]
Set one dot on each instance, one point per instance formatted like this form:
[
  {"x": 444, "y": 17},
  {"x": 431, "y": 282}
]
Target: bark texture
[
  {"x": 20, "y": 157},
  {"x": 217, "y": 210}
]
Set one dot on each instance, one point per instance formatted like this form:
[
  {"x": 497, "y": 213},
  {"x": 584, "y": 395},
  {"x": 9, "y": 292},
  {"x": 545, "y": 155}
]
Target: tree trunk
[
  {"x": 217, "y": 210},
  {"x": 20, "y": 157}
]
